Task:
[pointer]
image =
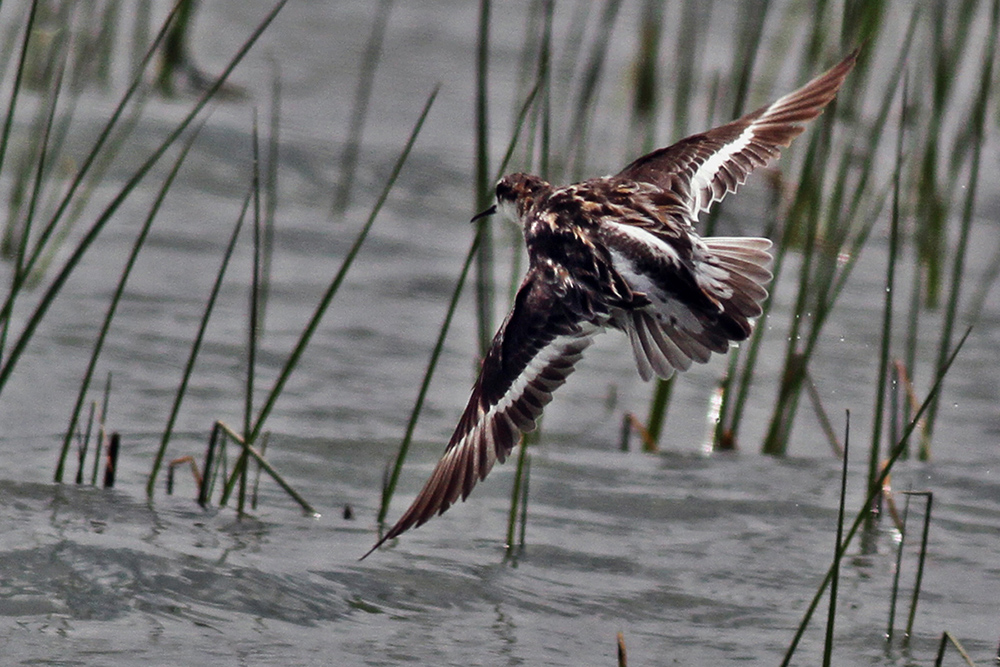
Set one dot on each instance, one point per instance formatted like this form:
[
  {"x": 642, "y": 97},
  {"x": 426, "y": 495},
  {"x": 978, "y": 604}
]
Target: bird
[{"x": 620, "y": 252}]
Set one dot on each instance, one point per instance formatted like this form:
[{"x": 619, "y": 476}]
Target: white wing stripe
[
  {"x": 663, "y": 248},
  {"x": 701, "y": 182}
]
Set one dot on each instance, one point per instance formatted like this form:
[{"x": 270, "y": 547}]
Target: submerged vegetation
[{"x": 832, "y": 198}]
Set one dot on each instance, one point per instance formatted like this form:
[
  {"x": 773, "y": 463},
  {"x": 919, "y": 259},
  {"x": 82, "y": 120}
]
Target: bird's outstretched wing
[
  {"x": 705, "y": 167},
  {"x": 533, "y": 353}
]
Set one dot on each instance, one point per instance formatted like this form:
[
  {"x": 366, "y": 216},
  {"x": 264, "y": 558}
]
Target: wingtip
[{"x": 382, "y": 540}]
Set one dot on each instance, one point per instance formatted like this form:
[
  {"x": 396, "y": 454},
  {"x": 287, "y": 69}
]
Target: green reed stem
[
  {"x": 4, "y": 139},
  {"x": 90, "y": 158},
  {"x": 359, "y": 109},
  {"x": 807, "y": 202},
  {"x": 882, "y": 371},
  {"x": 390, "y": 487},
  {"x": 872, "y": 493},
  {"x": 920, "y": 561},
  {"x": 102, "y": 422},
  {"x": 18, "y": 79},
  {"x": 645, "y": 98},
  {"x": 948, "y": 638},
  {"x": 48, "y": 112},
  {"x": 689, "y": 52},
  {"x": 331, "y": 291},
  {"x": 894, "y": 596},
  {"x": 175, "y": 49},
  {"x": 978, "y": 123},
  {"x": 481, "y": 196},
  {"x": 753, "y": 16},
  {"x": 195, "y": 349},
  {"x": 658, "y": 408},
  {"x": 271, "y": 196},
  {"x": 525, "y": 486},
  {"x": 835, "y": 578},
  {"x": 85, "y": 444},
  {"x": 734, "y": 399},
  {"x": 253, "y": 321},
  {"x": 264, "y": 437},
  {"x": 515, "y": 493},
  {"x": 126, "y": 273}
]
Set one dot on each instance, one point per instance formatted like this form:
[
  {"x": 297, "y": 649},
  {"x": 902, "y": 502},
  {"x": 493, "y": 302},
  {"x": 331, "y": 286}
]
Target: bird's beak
[{"x": 490, "y": 211}]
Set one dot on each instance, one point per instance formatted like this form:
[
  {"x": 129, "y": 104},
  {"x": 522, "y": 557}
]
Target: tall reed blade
[
  {"x": 359, "y": 109},
  {"x": 516, "y": 498},
  {"x": 835, "y": 579},
  {"x": 948, "y": 638},
  {"x": 195, "y": 349},
  {"x": 882, "y": 371},
  {"x": 578, "y": 127},
  {"x": 91, "y": 157},
  {"x": 484, "y": 253},
  {"x": 929, "y": 495},
  {"x": 42, "y": 166},
  {"x": 253, "y": 323},
  {"x": 890, "y": 627},
  {"x": 18, "y": 79},
  {"x": 331, "y": 291}
]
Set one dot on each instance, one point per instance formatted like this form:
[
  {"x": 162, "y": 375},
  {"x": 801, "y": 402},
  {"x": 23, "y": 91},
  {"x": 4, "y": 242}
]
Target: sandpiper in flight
[{"x": 621, "y": 252}]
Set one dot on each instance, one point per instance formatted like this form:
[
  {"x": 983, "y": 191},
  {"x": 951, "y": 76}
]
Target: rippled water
[{"x": 697, "y": 560}]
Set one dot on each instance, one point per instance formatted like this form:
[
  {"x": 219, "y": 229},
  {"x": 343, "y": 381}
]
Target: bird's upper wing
[
  {"x": 534, "y": 352},
  {"x": 705, "y": 167}
]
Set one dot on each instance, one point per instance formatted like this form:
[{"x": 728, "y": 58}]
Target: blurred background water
[{"x": 697, "y": 559}]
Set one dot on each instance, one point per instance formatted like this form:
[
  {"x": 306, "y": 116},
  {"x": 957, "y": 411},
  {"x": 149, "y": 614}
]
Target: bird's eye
[{"x": 504, "y": 191}]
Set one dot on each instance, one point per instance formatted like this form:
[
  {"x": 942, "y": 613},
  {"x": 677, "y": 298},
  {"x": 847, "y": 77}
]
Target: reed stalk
[
  {"x": 920, "y": 562},
  {"x": 516, "y": 495},
  {"x": 195, "y": 349},
  {"x": 240, "y": 469},
  {"x": 101, "y": 429},
  {"x": 85, "y": 444},
  {"x": 88, "y": 162},
  {"x": 359, "y": 109},
  {"x": 4, "y": 140},
  {"x": 481, "y": 195},
  {"x": 838, "y": 543},
  {"x": 894, "y": 596},
  {"x": 882, "y": 370},
  {"x": 338, "y": 279},
  {"x": 271, "y": 197},
  {"x": 948, "y": 638}
]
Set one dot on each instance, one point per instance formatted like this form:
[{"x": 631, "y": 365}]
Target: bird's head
[{"x": 515, "y": 194}]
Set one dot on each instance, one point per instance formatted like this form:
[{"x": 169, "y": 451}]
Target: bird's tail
[
  {"x": 669, "y": 335},
  {"x": 736, "y": 273}
]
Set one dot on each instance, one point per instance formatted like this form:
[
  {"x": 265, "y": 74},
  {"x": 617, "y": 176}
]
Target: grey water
[{"x": 695, "y": 558}]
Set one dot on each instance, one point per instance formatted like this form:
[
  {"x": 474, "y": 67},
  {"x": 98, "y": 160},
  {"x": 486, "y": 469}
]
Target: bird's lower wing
[{"x": 534, "y": 352}]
